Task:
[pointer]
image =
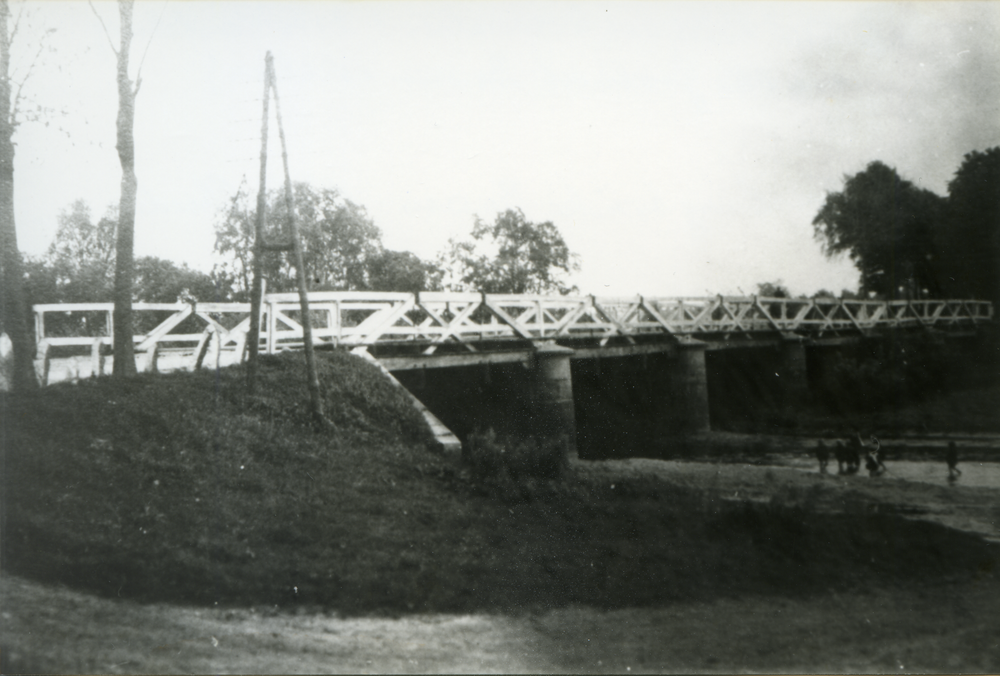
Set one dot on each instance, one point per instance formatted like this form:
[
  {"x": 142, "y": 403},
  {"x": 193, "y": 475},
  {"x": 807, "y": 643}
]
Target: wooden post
[
  {"x": 272, "y": 327},
  {"x": 203, "y": 343},
  {"x": 315, "y": 398},
  {"x": 154, "y": 358},
  {"x": 96, "y": 363},
  {"x": 257, "y": 292},
  {"x": 43, "y": 362}
]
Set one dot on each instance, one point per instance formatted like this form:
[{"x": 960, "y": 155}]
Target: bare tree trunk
[
  {"x": 253, "y": 335},
  {"x": 124, "y": 349},
  {"x": 315, "y": 397},
  {"x": 13, "y": 312}
]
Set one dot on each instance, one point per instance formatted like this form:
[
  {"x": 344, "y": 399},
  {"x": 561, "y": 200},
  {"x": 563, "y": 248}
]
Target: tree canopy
[
  {"x": 342, "y": 246},
  {"x": 776, "y": 289},
  {"x": 510, "y": 255},
  {"x": 402, "y": 271},
  {"x": 885, "y": 224},
  {"x": 79, "y": 266},
  {"x": 968, "y": 240}
]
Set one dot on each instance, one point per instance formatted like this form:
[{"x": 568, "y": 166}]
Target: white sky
[{"x": 680, "y": 147}]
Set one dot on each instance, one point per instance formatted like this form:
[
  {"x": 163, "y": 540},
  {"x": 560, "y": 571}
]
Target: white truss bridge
[{"x": 413, "y": 327}]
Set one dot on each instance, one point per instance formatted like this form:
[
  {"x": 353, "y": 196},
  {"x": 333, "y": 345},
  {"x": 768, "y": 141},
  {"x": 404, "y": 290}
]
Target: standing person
[
  {"x": 840, "y": 453},
  {"x": 854, "y": 453},
  {"x": 823, "y": 455},
  {"x": 873, "y": 463},
  {"x": 952, "y": 459}
]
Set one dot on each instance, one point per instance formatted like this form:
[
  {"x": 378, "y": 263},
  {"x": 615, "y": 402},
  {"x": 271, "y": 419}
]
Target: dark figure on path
[
  {"x": 854, "y": 454},
  {"x": 823, "y": 455},
  {"x": 952, "y": 458},
  {"x": 841, "y": 454},
  {"x": 873, "y": 463}
]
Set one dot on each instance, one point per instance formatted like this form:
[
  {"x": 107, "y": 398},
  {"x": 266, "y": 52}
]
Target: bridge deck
[{"x": 414, "y": 329}]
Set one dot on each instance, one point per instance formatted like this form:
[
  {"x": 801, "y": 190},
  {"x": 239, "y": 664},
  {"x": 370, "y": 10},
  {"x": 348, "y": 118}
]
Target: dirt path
[{"x": 941, "y": 629}]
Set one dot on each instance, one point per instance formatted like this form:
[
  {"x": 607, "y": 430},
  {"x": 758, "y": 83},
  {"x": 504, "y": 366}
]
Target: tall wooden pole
[
  {"x": 253, "y": 336},
  {"x": 315, "y": 397}
]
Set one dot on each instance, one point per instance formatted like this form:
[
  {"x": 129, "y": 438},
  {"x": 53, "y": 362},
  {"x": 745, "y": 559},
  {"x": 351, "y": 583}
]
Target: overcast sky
[{"x": 681, "y": 148}]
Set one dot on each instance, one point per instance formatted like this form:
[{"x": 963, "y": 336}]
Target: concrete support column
[
  {"x": 794, "y": 380},
  {"x": 689, "y": 388},
  {"x": 552, "y": 394}
]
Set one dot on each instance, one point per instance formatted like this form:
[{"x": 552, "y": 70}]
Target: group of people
[{"x": 849, "y": 456}]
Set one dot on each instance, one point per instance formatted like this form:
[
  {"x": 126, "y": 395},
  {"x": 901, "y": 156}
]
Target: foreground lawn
[{"x": 180, "y": 488}]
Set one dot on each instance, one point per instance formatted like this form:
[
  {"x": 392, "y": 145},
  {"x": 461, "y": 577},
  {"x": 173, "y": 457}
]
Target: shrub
[
  {"x": 900, "y": 369},
  {"x": 514, "y": 464}
]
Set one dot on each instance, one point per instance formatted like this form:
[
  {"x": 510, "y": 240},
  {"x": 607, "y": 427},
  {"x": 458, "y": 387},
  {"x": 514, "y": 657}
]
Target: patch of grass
[
  {"x": 182, "y": 488},
  {"x": 513, "y": 468}
]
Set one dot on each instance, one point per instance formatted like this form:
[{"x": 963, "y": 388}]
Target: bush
[
  {"x": 898, "y": 370},
  {"x": 514, "y": 465}
]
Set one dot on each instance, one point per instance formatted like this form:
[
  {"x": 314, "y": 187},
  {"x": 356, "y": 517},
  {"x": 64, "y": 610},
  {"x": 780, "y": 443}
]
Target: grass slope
[{"x": 182, "y": 488}]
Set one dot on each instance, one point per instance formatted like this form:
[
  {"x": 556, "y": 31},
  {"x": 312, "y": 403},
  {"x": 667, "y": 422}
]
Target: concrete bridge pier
[
  {"x": 792, "y": 369},
  {"x": 551, "y": 394},
  {"x": 689, "y": 388}
]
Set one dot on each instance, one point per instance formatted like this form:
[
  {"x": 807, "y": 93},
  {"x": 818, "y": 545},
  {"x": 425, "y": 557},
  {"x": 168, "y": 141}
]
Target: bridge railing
[{"x": 176, "y": 333}]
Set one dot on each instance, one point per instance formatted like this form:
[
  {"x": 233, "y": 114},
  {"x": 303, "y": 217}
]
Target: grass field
[{"x": 182, "y": 490}]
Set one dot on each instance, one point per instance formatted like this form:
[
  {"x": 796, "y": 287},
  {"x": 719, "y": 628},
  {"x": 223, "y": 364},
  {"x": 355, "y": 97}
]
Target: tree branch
[
  {"x": 15, "y": 104},
  {"x": 17, "y": 23},
  {"x": 111, "y": 42},
  {"x": 138, "y": 74}
]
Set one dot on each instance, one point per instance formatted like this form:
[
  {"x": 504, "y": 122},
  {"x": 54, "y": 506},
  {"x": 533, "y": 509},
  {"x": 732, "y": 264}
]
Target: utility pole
[
  {"x": 253, "y": 335},
  {"x": 315, "y": 397}
]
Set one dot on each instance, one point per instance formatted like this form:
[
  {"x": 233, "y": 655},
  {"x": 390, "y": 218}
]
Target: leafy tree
[
  {"x": 402, "y": 271},
  {"x": 511, "y": 255},
  {"x": 342, "y": 247},
  {"x": 969, "y": 239},
  {"x": 773, "y": 290},
  {"x": 162, "y": 281},
  {"x": 81, "y": 258},
  {"x": 79, "y": 266},
  {"x": 886, "y": 226},
  {"x": 234, "y": 236}
]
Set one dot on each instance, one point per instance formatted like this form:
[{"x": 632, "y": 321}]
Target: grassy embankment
[{"x": 182, "y": 488}]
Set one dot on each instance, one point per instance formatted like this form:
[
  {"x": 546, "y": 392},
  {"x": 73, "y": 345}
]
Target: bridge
[{"x": 413, "y": 333}]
